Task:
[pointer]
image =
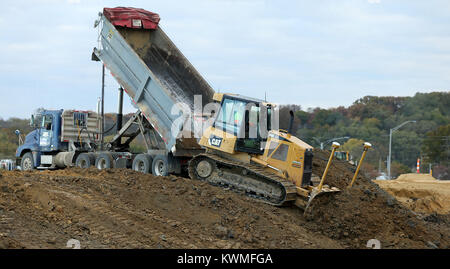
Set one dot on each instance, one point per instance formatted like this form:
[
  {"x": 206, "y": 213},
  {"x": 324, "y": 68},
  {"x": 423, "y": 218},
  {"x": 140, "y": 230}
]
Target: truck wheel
[
  {"x": 27, "y": 163},
  {"x": 104, "y": 161},
  {"x": 160, "y": 166},
  {"x": 85, "y": 160},
  {"x": 143, "y": 163}
]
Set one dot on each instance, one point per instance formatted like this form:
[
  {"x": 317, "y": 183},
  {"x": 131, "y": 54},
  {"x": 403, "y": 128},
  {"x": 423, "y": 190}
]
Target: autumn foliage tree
[{"x": 370, "y": 118}]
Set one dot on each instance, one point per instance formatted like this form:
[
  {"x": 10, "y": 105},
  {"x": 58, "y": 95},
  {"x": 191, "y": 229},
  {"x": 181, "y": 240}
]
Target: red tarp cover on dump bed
[{"x": 132, "y": 17}]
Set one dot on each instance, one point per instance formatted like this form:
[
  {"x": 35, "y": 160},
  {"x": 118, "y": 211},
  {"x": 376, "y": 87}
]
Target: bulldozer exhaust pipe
[{"x": 291, "y": 122}]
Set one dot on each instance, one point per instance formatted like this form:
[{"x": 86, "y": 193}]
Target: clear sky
[{"x": 311, "y": 53}]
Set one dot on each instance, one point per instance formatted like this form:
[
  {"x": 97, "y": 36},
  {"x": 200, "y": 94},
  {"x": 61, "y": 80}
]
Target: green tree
[
  {"x": 354, "y": 146},
  {"x": 398, "y": 169},
  {"x": 436, "y": 145}
]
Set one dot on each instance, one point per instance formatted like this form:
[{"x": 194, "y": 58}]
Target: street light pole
[
  {"x": 323, "y": 143},
  {"x": 390, "y": 145},
  {"x": 389, "y": 156}
]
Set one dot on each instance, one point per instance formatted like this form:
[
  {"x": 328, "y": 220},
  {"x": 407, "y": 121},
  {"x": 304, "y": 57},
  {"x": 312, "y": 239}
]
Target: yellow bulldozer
[{"x": 273, "y": 166}]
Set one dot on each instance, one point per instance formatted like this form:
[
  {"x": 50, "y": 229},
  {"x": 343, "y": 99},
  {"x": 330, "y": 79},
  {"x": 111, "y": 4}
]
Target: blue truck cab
[
  {"x": 45, "y": 138},
  {"x": 61, "y": 138}
]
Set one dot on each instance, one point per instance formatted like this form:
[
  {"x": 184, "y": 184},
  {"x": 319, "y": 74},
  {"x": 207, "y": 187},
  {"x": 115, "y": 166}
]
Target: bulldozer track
[{"x": 252, "y": 179}]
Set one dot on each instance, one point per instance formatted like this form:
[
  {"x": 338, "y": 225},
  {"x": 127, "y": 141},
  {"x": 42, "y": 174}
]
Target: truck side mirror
[
  {"x": 94, "y": 57},
  {"x": 32, "y": 121}
]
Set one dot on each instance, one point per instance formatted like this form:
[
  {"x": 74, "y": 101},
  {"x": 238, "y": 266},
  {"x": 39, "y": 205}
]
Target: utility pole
[
  {"x": 379, "y": 166},
  {"x": 390, "y": 145}
]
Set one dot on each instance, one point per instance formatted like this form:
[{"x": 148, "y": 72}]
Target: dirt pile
[
  {"x": 125, "y": 209},
  {"x": 366, "y": 212},
  {"x": 420, "y": 192},
  {"x": 413, "y": 177},
  {"x": 340, "y": 173}
]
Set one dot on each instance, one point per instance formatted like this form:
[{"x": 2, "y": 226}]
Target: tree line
[{"x": 370, "y": 119}]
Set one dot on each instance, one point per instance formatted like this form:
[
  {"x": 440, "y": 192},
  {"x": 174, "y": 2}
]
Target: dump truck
[
  {"x": 159, "y": 80},
  {"x": 161, "y": 83}
]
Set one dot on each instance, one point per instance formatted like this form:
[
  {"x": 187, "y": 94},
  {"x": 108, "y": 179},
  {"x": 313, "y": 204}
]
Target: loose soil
[
  {"x": 120, "y": 208},
  {"x": 420, "y": 192}
]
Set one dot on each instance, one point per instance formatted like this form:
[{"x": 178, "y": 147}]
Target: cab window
[
  {"x": 47, "y": 122},
  {"x": 230, "y": 116},
  {"x": 253, "y": 133},
  {"x": 281, "y": 153}
]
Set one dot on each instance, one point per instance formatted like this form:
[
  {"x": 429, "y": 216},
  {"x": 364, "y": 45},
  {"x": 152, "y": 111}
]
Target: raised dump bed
[{"x": 150, "y": 68}]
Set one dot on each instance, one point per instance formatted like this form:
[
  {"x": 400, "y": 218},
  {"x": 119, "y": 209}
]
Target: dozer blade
[{"x": 319, "y": 193}]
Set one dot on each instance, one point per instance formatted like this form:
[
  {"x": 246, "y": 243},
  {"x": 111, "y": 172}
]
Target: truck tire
[
  {"x": 160, "y": 165},
  {"x": 143, "y": 163},
  {"x": 27, "y": 162},
  {"x": 85, "y": 160},
  {"x": 104, "y": 161}
]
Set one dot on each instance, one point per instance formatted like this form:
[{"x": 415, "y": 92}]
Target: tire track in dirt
[
  {"x": 125, "y": 209},
  {"x": 121, "y": 213},
  {"x": 111, "y": 215}
]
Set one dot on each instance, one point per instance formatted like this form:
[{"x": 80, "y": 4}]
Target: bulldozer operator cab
[{"x": 241, "y": 124}]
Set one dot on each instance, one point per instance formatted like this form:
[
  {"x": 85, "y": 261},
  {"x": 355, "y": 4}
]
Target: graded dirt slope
[
  {"x": 125, "y": 209},
  {"x": 367, "y": 212},
  {"x": 420, "y": 192}
]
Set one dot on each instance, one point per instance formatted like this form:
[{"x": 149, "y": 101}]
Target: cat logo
[{"x": 215, "y": 141}]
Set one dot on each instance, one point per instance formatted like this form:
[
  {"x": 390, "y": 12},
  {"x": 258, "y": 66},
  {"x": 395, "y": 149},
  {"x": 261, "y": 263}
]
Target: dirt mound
[
  {"x": 340, "y": 173},
  {"x": 125, "y": 209},
  {"x": 366, "y": 212},
  {"x": 420, "y": 192},
  {"x": 413, "y": 177}
]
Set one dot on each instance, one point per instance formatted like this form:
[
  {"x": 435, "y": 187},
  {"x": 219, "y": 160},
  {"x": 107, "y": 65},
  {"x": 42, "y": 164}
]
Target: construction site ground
[
  {"x": 119, "y": 208},
  {"x": 420, "y": 192}
]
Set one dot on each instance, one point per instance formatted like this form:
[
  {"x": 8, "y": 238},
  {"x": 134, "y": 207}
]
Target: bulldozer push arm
[{"x": 367, "y": 146}]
